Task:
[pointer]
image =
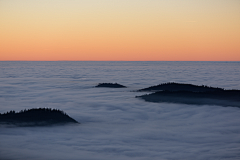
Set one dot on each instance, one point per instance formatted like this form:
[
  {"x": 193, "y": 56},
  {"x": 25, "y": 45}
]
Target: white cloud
[{"x": 114, "y": 124}]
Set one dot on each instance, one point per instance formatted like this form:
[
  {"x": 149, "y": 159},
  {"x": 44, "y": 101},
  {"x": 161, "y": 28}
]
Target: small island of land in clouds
[
  {"x": 172, "y": 86},
  {"x": 110, "y": 85},
  {"x": 191, "y": 94},
  {"x": 36, "y": 117}
]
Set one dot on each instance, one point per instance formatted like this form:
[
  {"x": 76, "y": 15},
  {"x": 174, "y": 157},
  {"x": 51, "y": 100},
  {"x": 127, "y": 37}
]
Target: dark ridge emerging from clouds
[
  {"x": 110, "y": 85},
  {"x": 171, "y": 86},
  {"x": 221, "y": 97},
  {"x": 36, "y": 117}
]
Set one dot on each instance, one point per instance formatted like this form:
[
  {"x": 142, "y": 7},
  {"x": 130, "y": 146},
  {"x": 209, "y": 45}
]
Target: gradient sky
[{"x": 131, "y": 30}]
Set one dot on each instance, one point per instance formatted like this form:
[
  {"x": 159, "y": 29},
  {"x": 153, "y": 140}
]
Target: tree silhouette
[{"x": 37, "y": 116}]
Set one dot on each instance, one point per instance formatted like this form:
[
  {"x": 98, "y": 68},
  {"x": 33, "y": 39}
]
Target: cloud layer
[{"x": 114, "y": 124}]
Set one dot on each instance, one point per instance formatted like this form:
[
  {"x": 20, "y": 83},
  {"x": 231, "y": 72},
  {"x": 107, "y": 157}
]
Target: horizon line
[{"x": 115, "y": 61}]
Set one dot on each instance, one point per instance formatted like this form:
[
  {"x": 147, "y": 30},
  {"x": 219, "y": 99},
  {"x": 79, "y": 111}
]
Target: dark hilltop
[
  {"x": 110, "y": 85},
  {"x": 171, "y": 86},
  {"x": 191, "y": 94},
  {"x": 222, "y": 98},
  {"x": 36, "y": 117}
]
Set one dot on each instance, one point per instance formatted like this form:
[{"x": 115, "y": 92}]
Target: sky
[{"x": 113, "y": 30}]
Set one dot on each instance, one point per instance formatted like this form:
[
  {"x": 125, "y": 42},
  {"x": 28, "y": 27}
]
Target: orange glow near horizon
[{"x": 110, "y": 30}]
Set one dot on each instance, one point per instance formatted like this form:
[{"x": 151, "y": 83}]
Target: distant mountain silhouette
[
  {"x": 36, "y": 117},
  {"x": 110, "y": 85},
  {"x": 219, "y": 97},
  {"x": 171, "y": 86}
]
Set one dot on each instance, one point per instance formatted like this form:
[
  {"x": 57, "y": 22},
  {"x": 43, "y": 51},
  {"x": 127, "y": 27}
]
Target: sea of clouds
[{"x": 115, "y": 124}]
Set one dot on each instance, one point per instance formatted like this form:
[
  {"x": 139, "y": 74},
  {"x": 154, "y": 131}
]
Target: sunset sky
[{"x": 120, "y": 30}]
